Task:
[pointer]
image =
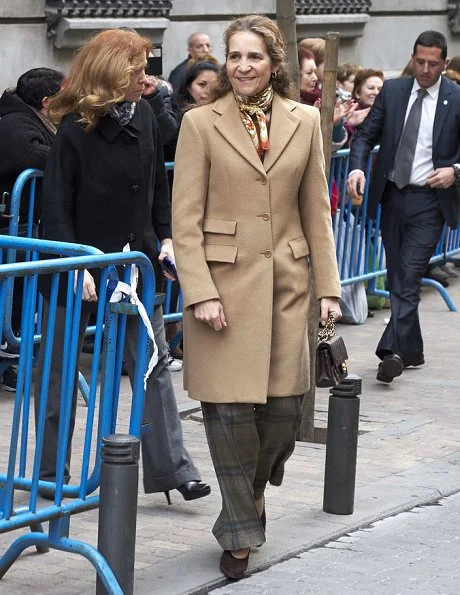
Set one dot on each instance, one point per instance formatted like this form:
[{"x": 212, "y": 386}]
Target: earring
[{"x": 274, "y": 74}]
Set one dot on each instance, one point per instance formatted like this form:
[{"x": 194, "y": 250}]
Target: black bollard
[
  {"x": 341, "y": 446},
  {"x": 118, "y": 508}
]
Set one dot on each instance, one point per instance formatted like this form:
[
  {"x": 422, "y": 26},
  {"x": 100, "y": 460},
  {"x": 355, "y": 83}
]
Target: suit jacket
[
  {"x": 384, "y": 126},
  {"x": 242, "y": 231}
]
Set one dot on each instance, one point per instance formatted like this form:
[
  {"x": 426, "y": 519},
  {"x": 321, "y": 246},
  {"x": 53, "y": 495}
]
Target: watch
[{"x": 456, "y": 167}]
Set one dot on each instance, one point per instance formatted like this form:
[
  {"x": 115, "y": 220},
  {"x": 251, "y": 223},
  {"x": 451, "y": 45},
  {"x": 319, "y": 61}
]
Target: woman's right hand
[
  {"x": 89, "y": 287},
  {"x": 211, "y": 312}
]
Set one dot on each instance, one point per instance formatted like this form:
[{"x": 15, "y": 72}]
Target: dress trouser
[
  {"x": 411, "y": 226},
  {"x": 166, "y": 462},
  {"x": 249, "y": 446}
]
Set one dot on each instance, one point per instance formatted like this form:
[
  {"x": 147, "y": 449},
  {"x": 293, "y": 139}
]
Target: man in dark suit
[{"x": 416, "y": 121}]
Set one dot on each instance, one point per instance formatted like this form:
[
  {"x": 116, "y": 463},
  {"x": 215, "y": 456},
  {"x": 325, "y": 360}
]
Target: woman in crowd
[
  {"x": 368, "y": 83},
  {"x": 317, "y": 46},
  {"x": 310, "y": 94},
  {"x": 195, "y": 90},
  {"x": 26, "y": 136},
  {"x": 252, "y": 235},
  {"x": 105, "y": 185},
  {"x": 309, "y": 89},
  {"x": 453, "y": 69}
]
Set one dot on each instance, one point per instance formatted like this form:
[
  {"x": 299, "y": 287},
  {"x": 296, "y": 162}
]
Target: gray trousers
[
  {"x": 166, "y": 462},
  {"x": 249, "y": 446}
]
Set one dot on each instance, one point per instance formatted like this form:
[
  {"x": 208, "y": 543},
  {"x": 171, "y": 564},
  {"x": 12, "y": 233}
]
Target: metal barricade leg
[{"x": 16, "y": 549}]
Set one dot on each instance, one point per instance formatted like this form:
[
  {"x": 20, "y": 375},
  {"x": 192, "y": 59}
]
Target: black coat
[
  {"x": 177, "y": 75},
  {"x": 166, "y": 117},
  {"x": 25, "y": 142},
  {"x": 108, "y": 187},
  {"x": 384, "y": 126}
]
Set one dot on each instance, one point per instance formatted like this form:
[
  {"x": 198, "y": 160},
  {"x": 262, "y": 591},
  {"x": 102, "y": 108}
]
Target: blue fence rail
[
  {"x": 20, "y": 464},
  {"x": 360, "y": 252}
]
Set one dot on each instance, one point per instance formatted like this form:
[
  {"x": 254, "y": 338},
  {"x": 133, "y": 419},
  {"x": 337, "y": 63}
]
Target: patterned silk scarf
[
  {"x": 123, "y": 112},
  {"x": 257, "y": 106}
]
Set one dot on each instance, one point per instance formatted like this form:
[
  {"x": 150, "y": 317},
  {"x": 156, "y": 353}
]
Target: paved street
[
  {"x": 408, "y": 454},
  {"x": 413, "y": 552}
]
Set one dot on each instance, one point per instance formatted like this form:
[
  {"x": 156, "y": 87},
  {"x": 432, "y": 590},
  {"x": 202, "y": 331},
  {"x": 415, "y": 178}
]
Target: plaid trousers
[{"x": 249, "y": 446}]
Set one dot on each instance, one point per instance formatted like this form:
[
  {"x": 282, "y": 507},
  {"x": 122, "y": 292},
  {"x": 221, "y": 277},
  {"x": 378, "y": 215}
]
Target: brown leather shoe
[{"x": 233, "y": 567}]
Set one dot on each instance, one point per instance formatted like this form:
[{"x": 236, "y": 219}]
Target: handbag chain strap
[{"x": 327, "y": 331}]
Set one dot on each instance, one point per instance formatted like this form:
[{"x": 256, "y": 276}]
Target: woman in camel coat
[{"x": 252, "y": 234}]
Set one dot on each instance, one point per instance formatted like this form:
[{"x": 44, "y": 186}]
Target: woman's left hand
[
  {"x": 167, "y": 250},
  {"x": 330, "y": 305}
]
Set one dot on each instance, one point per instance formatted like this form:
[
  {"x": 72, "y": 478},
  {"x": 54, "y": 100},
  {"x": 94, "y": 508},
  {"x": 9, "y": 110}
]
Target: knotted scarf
[
  {"x": 122, "y": 112},
  {"x": 257, "y": 106}
]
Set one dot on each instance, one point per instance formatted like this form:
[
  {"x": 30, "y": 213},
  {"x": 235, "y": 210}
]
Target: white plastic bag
[{"x": 354, "y": 301}]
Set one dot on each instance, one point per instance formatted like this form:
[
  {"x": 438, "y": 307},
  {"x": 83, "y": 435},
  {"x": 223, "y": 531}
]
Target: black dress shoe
[
  {"x": 414, "y": 362},
  {"x": 191, "y": 490},
  {"x": 233, "y": 567},
  {"x": 390, "y": 367}
]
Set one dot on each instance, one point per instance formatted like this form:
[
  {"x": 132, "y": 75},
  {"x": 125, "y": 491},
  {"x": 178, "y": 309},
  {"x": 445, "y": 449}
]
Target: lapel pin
[{"x": 445, "y": 102}]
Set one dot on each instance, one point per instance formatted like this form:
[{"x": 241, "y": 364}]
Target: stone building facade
[{"x": 373, "y": 32}]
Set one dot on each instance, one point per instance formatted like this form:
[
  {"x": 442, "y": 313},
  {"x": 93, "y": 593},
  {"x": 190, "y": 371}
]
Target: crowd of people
[{"x": 249, "y": 204}]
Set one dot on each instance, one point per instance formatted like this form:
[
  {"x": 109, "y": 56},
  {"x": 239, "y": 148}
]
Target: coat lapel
[
  {"x": 232, "y": 129},
  {"x": 442, "y": 107},
  {"x": 401, "y": 106},
  {"x": 283, "y": 124}
]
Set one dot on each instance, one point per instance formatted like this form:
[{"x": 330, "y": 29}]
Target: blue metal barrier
[{"x": 20, "y": 466}]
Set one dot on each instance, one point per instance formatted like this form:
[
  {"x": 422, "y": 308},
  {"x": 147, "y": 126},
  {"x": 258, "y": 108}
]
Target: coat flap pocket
[
  {"x": 217, "y": 253},
  {"x": 220, "y": 226},
  {"x": 299, "y": 247}
]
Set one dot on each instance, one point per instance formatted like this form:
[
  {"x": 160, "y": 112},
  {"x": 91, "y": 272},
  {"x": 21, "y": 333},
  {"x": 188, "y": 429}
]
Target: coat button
[
  {"x": 268, "y": 253},
  {"x": 134, "y": 189},
  {"x": 263, "y": 181},
  {"x": 266, "y": 216},
  {"x": 131, "y": 237}
]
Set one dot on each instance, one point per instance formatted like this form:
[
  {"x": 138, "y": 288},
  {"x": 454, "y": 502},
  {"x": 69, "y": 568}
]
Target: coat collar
[
  {"x": 283, "y": 124},
  {"x": 110, "y": 128}
]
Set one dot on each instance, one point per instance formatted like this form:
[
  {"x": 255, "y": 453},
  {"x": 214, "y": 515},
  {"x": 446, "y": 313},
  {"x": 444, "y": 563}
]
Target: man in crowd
[
  {"x": 416, "y": 121},
  {"x": 198, "y": 44}
]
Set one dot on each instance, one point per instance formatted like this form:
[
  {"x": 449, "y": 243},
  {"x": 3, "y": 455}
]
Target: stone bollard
[
  {"x": 341, "y": 446},
  {"x": 118, "y": 508}
]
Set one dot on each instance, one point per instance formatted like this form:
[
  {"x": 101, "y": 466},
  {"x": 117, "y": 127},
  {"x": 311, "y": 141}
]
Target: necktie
[{"x": 406, "y": 150}]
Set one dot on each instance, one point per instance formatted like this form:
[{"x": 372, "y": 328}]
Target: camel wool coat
[{"x": 242, "y": 232}]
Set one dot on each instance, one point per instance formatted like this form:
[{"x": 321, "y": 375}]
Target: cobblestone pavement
[
  {"x": 413, "y": 552},
  {"x": 408, "y": 454}
]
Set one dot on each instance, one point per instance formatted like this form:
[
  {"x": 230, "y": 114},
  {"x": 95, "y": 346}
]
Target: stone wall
[{"x": 385, "y": 39}]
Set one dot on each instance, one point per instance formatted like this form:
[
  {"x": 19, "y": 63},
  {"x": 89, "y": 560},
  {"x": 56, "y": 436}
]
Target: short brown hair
[
  {"x": 316, "y": 45},
  {"x": 274, "y": 43},
  {"x": 304, "y": 53},
  {"x": 362, "y": 77},
  {"x": 346, "y": 70}
]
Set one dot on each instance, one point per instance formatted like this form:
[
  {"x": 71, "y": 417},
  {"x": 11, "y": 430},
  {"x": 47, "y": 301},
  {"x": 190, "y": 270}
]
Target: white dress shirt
[{"x": 423, "y": 158}]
